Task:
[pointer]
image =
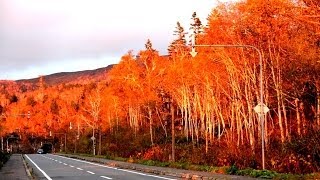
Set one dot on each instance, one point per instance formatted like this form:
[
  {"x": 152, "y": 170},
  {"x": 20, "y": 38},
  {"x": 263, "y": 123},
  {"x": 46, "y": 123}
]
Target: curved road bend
[{"x": 50, "y": 167}]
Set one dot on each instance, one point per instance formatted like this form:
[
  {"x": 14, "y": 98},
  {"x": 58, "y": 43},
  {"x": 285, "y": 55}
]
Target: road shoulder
[{"x": 15, "y": 168}]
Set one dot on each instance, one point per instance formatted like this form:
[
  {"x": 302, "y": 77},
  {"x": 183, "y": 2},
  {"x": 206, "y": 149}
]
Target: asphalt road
[{"x": 49, "y": 166}]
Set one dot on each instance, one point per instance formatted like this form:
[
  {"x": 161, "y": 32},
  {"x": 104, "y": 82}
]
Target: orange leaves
[
  {"x": 126, "y": 74},
  {"x": 212, "y": 94}
]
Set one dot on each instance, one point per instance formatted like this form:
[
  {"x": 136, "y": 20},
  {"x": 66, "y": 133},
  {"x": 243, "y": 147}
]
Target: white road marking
[
  {"x": 105, "y": 177},
  {"x": 150, "y": 175},
  {"x": 71, "y": 166},
  {"x": 91, "y": 172},
  {"x": 65, "y": 164},
  {"x": 160, "y": 177},
  {"x": 142, "y": 174},
  {"x": 45, "y": 174},
  {"x": 133, "y": 172},
  {"x": 80, "y": 169},
  {"x": 88, "y": 162}
]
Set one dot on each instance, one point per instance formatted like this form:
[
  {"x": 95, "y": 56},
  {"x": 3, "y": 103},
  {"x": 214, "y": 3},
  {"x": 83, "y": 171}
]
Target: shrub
[
  {"x": 232, "y": 170},
  {"x": 257, "y": 173}
]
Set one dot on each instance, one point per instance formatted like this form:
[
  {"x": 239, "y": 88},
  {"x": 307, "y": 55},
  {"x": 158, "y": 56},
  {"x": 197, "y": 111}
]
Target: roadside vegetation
[{"x": 194, "y": 112}]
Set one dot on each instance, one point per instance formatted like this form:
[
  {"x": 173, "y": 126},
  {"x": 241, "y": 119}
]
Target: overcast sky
[{"x": 41, "y": 37}]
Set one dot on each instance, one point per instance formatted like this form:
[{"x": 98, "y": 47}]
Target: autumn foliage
[{"x": 206, "y": 101}]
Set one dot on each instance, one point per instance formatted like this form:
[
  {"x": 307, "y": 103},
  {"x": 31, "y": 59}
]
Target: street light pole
[
  {"x": 261, "y": 110},
  {"x": 11, "y": 137},
  {"x": 5, "y": 116}
]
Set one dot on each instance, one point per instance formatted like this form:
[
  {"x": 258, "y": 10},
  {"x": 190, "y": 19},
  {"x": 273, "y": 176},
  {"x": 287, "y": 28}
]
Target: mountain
[{"x": 79, "y": 77}]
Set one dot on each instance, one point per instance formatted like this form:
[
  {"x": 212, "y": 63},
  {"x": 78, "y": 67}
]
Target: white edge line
[
  {"x": 105, "y": 177},
  {"x": 134, "y": 172},
  {"x": 160, "y": 177},
  {"x": 91, "y": 172},
  {"x": 45, "y": 175},
  {"x": 117, "y": 168},
  {"x": 150, "y": 175},
  {"x": 87, "y": 162}
]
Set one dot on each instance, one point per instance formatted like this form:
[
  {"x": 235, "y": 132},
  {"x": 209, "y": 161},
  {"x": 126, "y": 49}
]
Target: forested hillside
[
  {"x": 80, "y": 77},
  {"x": 198, "y": 109}
]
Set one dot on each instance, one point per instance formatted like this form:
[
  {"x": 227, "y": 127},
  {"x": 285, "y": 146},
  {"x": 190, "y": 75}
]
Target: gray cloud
[{"x": 37, "y": 33}]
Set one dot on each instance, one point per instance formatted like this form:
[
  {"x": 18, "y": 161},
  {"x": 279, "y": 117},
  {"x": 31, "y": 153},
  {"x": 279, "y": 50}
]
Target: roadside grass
[
  {"x": 268, "y": 174},
  {"x": 231, "y": 170}
]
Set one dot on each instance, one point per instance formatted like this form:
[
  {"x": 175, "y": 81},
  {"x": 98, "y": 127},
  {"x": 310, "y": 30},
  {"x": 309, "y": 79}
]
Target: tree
[
  {"x": 178, "y": 45},
  {"x": 125, "y": 82},
  {"x": 149, "y": 72},
  {"x": 148, "y": 45},
  {"x": 196, "y": 24}
]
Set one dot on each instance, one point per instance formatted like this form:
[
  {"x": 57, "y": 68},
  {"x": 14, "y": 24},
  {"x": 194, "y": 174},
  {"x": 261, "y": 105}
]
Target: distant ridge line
[{"x": 71, "y": 77}]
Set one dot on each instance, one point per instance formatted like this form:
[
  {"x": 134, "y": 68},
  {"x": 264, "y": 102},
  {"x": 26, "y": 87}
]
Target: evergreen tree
[
  {"x": 179, "y": 32},
  {"x": 180, "y": 39},
  {"x": 195, "y": 26},
  {"x": 148, "y": 45}
]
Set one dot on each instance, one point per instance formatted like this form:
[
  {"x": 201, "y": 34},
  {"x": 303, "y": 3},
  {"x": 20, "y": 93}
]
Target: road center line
[
  {"x": 91, "y": 172},
  {"x": 45, "y": 174},
  {"x": 65, "y": 164},
  {"x": 71, "y": 166},
  {"x": 80, "y": 169},
  {"x": 105, "y": 177}
]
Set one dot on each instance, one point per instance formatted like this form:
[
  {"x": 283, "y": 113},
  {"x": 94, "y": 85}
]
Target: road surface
[{"x": 50, "y": 167}]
